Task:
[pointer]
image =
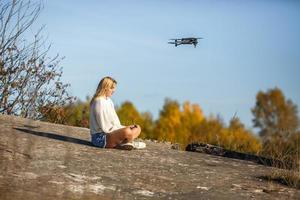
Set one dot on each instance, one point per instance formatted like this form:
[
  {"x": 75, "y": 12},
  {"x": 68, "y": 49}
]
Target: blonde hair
[{"x": 104, "y": 85}]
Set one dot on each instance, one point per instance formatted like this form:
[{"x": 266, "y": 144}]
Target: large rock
[{"x": 41, "y": 160}]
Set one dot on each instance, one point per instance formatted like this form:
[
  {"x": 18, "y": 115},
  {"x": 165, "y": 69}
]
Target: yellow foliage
[
  {"x": 242, "y": 139},
  {"x": 129, "y": 115},
  {"x": 177, "y": 124}
]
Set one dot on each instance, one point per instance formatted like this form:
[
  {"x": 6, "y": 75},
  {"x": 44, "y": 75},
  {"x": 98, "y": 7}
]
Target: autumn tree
[
  {"x": 278, "y": 123},
  {"x": 177, "y": 123},
  {"x": 169, "y": 121},
  {"x": 128, "y": 115},
  {"x": 30, "y": 83},
  {"x": 236, "y": 137},
  {"x": 208, "y": 131},
  {"x": 78, "y": 113},
  {"x": 191, "y": 117},
  {"x": 147, "y": 125},
  {"x": 73, "y": 114},
  {"x": 274, "y": 115}
]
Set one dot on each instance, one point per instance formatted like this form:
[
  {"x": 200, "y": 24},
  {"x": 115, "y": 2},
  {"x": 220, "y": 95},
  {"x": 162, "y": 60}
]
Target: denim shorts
[{"x": 99, "y": 139}]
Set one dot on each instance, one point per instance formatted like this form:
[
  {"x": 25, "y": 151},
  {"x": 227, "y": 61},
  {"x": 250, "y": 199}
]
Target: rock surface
[{"x": 40, "y": 160}]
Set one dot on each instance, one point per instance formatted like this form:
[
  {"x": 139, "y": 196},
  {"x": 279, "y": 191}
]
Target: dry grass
[
  {"x": 287, "y": 177},
  {"x": 289, "y": 172}
]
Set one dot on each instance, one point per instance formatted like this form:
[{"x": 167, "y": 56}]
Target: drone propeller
[
  {"x": 173, "y": 39},
  {"x": 199, "y": 38},
  {"x": 171, "y": 43}
]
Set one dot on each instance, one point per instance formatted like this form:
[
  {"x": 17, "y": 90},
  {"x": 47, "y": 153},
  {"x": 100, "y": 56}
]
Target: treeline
[
  {"x": 275, "y": 117},
  {"x": 186, "y": 123},
  {"x": 177, "y": 123}
]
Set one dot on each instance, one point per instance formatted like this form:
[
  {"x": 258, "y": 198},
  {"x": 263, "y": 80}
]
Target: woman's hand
[{"x": 133, "y": 126}]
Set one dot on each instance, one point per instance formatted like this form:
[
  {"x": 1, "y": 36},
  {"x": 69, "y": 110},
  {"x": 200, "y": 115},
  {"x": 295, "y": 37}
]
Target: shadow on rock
[{"x": 56, "y": 137}]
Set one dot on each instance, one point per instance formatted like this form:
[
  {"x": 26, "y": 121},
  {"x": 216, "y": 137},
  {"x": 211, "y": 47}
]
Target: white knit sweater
[{"x": 103, "y": 117}]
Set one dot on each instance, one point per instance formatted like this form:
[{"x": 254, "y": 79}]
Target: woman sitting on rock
[{"x": 105, "y": 127}]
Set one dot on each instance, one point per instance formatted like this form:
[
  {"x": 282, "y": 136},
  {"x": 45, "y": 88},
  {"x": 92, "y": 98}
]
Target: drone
[{"x": 191, "y": 40}]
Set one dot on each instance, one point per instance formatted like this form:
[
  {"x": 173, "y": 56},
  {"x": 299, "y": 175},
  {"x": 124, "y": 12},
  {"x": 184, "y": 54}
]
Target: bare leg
[{"x": 124, "y": 134}]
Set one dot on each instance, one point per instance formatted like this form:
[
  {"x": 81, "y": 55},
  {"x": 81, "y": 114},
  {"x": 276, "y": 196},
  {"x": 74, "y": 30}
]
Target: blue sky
[{"x": 248, "y": 46}]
